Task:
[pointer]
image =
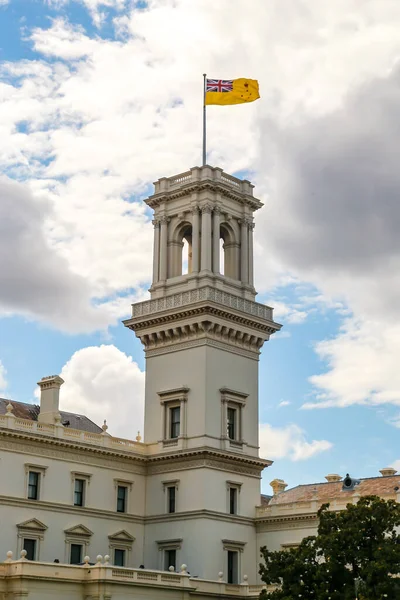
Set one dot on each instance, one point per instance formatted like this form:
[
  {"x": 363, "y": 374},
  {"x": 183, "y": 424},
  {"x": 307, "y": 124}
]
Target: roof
[
  {"x": 324, "y": 492},
  {"x": 24, "y": 410}
]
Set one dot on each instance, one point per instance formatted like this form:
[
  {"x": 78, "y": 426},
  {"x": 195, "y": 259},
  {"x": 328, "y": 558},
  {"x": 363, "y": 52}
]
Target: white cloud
[
  {"x": 292, "y": 315},
  {"x": 289, "y": 442},
  {"x": 102, "y": 382},
  {"x": 94, "y": 7},
  {"x": 396, "y": 465},
  {"x": 3, "y": 378},
  {"x": 283, "y": 403},
  {"x": 362, "y": 366}
]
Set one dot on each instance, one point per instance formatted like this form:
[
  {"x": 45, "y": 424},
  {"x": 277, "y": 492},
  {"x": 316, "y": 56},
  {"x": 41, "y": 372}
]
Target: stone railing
[
  {"x": 200, "y": 174},
  {"x": 9, "y": 421},
  {"x": 124, "y": 582},
  {"x": 182, "y": 299},
  {"x": 312, "y": 506}
]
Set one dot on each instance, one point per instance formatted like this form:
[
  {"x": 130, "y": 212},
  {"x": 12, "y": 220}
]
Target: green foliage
[{"x": 355, "y": 549}]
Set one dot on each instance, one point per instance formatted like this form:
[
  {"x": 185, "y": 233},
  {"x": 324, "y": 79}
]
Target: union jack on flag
[{"x": 219, "y": 85}]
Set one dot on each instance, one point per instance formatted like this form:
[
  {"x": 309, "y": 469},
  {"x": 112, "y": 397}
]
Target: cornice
[
  {"x": 204, "y": 341},
  {"x": 200, "y": 514},
  {"x": 281, "y": 521},
  {"x": 220, "y": 187},
  {"x": 205, "y": 458},
  {"x": 28, "y": 443},
  {"x": 79, "y": 511}
]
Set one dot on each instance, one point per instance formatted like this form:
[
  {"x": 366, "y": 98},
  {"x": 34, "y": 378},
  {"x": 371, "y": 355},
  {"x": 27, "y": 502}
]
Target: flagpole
[{"x": 204, "y": 119}]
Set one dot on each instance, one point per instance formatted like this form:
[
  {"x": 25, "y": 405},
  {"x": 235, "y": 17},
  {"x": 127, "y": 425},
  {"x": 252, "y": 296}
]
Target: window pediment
[
  {"x": 32, "y": 525},
  {"x": 79, "y": 530},
  {"x": 121, "y": 536}
]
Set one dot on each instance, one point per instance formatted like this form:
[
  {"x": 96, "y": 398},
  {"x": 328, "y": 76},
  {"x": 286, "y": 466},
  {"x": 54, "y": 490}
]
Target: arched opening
[
  {"x": 180, "y": 250},
  {"x": 221, "y": 257},
  {"x": 229, "y": 257},
  {"x": 185, "y": 257}
]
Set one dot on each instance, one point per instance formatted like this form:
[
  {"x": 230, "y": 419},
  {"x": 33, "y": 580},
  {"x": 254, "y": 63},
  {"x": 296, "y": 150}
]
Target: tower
[{"x": 202, "y": 333}]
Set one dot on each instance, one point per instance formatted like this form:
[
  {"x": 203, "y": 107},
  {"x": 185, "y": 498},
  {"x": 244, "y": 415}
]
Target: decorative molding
[
  {"x": 31, "y": 444},
  {"x": 234, "y": 545},
  {"x": 78, "y": 531},
  {"x": 32, "y": 526},
  {"x": 225, "y": 187},
  {"x": 181, "y": 299},
  {"x": 212, "y": 515},
  {"x": 203, "y": 342},
  {"x": 122, "y": 536},
  {"x": 67, "y": 509},
  {"x": 203, "y": 327}
]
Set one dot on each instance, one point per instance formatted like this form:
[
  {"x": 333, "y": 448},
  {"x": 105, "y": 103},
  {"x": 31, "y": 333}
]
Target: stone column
[
  {"x": 196, "y": 240},
  {"x": 244, "y": 252},
  {"x": 156, "y": 251},
  {"x": 206, "y": 237},
  {"x": 163, "y": 248},
  {"x": 216, "y": 222},
  {"x": 251, "y": 254}
]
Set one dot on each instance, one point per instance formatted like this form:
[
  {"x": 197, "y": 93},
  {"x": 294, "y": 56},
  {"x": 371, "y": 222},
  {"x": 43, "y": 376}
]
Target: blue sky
[{"x": 99, "y": 99}]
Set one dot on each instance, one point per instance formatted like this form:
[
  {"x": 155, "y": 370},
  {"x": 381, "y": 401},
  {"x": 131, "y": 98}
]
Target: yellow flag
[{"x": 231, "y": 91}]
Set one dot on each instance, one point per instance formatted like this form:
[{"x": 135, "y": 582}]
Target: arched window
[
  {"x": 185, "y": 257},
  {"x": 221, "y": 257},
  {"x": 180, "y": 251},
  {"x": 230, "y": 251}
]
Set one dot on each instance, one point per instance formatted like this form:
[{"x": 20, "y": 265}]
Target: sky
[{"x": 99, "y": 98}]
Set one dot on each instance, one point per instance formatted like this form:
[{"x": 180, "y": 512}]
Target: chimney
[
  {"x": 387, "y": 472},
  {"x": 333, "y": 477},
  {"x": 49, "y": 398},
  {"x": 278, "y": 486}
]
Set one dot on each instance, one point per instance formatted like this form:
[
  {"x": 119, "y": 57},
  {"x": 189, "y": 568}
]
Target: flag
[{"x": 231, "y": 91}]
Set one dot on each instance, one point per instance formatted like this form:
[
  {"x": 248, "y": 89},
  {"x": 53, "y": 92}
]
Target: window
[
  {"x": 233, "y": 495},
  {"x": 174, "y": 422},
  {"x": 232, "y": 566},
  {"x": 79, "y": 492},
  {"x": 30, "y": 546},
  {"x": 119, "y": 557},
  {"x": 30, "y": 534},
  {"x": 120, "y": 545},
  {"x": 76, "y": 537},
  {"x": 233, "y": 549},
  {"x": 174, "y": 412},
  {"x": 122, "y": 494},
  {"x": 170, "y": 495},
  {"x": 233, "y": 500},
  {"x": 75, "y": 555},
  {"x": 171, "y": 499},
  {"x": 169, "y": 553},
  {"x": 232, "y": 420},
  {"x": 33, "y": 485},
  {"x": 233, "y": 411},
  {"x": 169, "y": 559}
]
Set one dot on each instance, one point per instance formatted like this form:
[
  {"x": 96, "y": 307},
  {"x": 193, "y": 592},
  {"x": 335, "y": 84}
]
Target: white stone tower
[{"x": 202, "y": 332}]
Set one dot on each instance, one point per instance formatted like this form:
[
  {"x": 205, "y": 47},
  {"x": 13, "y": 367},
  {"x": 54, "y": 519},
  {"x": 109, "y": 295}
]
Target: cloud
[
  {"x": 93, "y": 6},
  {"x": 36, "y": 281},
  {"x": 362, "y": 366},
  {"x": 102, "y": 382},
  {"x": 290, "y": 314},
  {"x": 289, "y": 442},
  {"x": 3, "y": 378},
  {"x": 396, "y": 465},
  {"x": 283, "y": 403}
]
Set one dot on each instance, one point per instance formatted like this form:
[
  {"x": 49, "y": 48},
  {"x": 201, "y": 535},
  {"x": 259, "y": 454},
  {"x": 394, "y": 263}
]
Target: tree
[{"x": 356, "y": 549}]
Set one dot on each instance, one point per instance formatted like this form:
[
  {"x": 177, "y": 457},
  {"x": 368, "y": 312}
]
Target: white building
[{"x": 189, "y": 492}]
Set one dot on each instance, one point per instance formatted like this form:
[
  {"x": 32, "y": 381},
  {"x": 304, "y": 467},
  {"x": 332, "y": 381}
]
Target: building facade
[{"x": 189, "y": 492}]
